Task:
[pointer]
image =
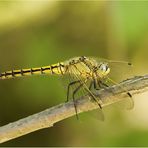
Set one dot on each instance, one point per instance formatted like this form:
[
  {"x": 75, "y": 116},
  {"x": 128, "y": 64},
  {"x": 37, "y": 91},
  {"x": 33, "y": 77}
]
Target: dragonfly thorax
[{"x": 87, "y": 68}]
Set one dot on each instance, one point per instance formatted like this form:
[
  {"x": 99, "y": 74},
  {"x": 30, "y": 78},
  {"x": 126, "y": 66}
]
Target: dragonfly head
[{"x": 103, "y": 69}]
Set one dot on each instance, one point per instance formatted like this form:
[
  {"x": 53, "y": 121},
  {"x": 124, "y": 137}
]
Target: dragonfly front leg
[
  {"x": 97, "y": 85},
  {"x": 127, "y": 92},
  {"x": 103, "y": 84}
]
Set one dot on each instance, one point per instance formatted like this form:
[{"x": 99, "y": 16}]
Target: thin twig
[{"x": 49, "y": 117}]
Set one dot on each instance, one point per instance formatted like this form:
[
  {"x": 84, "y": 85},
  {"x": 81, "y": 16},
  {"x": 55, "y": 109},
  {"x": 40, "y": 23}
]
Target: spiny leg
[
  {"x": 103, "y": 84},
  {"x": 96, "y": 84},
  {"x": 70, "y": 84},
  {"x": 74, "y": 92},
  {"x": 93, "y": 83},
  {"x": 90, "y": 86}
]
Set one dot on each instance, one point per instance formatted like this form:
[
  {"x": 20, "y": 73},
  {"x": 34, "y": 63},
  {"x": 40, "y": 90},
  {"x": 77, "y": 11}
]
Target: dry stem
[{"x": 49, "y": 117}]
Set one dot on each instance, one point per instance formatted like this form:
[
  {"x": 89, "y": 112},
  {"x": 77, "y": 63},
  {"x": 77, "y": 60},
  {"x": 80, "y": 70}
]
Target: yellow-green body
[
  {"x": 83, "y": 67},
  {"x": 53, "y": 69}
]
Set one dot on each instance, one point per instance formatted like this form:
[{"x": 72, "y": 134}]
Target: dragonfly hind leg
[
  {"x": 90, "y": 89},
  {"x": 73, "y": 97},
  {"x": 68, "y": 89}
]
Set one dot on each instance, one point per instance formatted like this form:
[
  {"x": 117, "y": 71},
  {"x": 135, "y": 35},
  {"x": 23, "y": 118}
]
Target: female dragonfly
[{"x": 84, "y": 71}]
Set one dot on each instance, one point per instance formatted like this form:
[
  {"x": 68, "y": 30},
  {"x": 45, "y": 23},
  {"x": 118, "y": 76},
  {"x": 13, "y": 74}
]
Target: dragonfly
[{"x": 86, "y": 72}]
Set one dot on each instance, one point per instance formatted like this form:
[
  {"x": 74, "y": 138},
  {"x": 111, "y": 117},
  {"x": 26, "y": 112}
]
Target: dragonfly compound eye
[{"x": 104, "y": 69}]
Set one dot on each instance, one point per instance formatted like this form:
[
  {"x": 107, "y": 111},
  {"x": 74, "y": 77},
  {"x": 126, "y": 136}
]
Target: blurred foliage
[{"x": 38, "y": 33}]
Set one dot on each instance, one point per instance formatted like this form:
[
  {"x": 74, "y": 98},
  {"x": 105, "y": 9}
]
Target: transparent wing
[
  {"x": 119, "y": 70},
  {"x": 73, "y": 74},
  {"x": 125, "y": 103}
]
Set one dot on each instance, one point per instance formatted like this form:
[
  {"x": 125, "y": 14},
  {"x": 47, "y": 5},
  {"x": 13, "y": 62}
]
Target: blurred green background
[{"x": 39, "y": 33}]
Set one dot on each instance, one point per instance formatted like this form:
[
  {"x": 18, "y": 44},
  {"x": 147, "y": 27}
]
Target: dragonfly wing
[
  {"x": 119, "y": 69},
  {"x": 74, "y": 75}
]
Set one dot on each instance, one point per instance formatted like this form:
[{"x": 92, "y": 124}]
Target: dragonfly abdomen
[{"x": 52, "y": 69}]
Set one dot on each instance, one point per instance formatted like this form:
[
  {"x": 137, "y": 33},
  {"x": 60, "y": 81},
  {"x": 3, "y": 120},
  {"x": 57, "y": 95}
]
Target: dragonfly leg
[
  {"x": 131, "y": 100},
  {"x": 103, "y": 84},
  {"x": 90, "y": 86},
  {"x": 97, "y": 85},
  {"x": 70, "y": 84},
  {"x": 94, "y": 82},
  {"x": 74, "y": 92},
  {"x": 93, "y": 97},
  {"x": 99, "y": 104},
  {"x": 127, "y": 92}
]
